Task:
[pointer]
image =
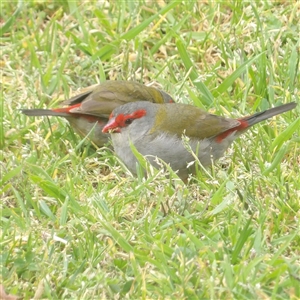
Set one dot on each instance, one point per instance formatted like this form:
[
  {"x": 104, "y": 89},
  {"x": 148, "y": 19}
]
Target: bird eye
[{"x": 128, "y": 121}]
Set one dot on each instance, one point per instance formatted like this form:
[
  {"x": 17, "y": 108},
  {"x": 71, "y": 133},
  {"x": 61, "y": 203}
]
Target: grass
[{"x": 76, "y": 225}]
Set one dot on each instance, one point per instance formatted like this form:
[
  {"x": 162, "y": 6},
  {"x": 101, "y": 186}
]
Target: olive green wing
[
  {"x": 103, "y": 99},
  {"x": 178, "y": 119}
]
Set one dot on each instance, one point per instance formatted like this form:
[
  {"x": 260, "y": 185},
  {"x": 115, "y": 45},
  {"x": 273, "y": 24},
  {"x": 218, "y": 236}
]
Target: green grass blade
[
  {"x": 243, "y": 237},
  {"x": 118, "y": 238},
  {"x": 46, "y": 210},
  {"x": 132, "y": 33},
  {"x": 294, "y": 66},
  {"x": 223, "y": 87},
  {"x": 207, "y": 97},
  {"x": 286, "y": 134},
  {"x": 11, "y": 20},
  {"x": 277, "y": 160}
]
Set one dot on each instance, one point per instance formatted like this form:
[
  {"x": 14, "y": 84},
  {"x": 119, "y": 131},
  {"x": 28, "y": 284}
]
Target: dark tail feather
[
  {"x": 43, "y": 112},
  {"x": 264, "y": 115},
  {"x": 77, "y": 99}
]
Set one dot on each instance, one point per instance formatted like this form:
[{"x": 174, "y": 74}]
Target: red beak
[{"x": 111, "y": 126}]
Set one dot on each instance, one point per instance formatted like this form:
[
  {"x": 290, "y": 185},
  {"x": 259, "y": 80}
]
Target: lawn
[{"x": 76, "y": 224}]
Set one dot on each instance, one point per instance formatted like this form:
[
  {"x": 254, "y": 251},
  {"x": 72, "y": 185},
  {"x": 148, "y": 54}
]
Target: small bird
[
  {"x": 96, "y": 104},
  {"x": 156, "y": 132}
]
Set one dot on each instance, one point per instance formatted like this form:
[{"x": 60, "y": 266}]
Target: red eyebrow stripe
[
  {"x": 138, "y": 114},
  {"x": 121, "y": 118}
]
